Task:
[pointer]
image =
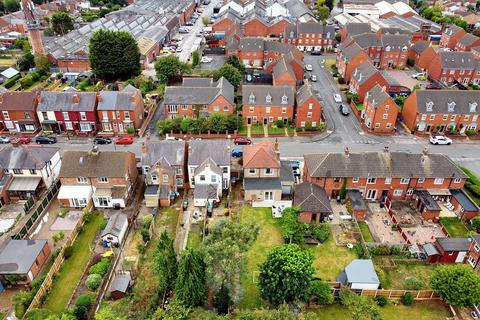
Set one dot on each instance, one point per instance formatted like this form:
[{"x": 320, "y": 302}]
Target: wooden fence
[
  {"x": 48, "y": 282},
  {"x": 417, "y": 294}
]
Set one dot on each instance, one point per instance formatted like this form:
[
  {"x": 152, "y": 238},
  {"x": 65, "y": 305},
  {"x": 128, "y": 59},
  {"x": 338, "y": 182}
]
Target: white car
[
  {"x": 417, "y": 75},
  {"x": 4, "y": 139},
  {"x": 440, "y": 140},
  {"x": 337, "y": 98},
  {"x": 308, "y": 67},
  {"x": 313, "y": 78},
  {"x": 206, "y": 60}
]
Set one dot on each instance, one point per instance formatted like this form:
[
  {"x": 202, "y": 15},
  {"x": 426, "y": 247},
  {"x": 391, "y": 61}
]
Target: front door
[
  {"x": 371, "y": 194},
  {"x": 249, "y": 120},
  {"x": 265, "y": 121},
  {"x": 120, "y": 127}
]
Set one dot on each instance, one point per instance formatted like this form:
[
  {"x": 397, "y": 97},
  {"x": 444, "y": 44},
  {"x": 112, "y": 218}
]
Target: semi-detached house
[
  {"x": 18, "y": 112},
  {"x": 379, "y": 112}
]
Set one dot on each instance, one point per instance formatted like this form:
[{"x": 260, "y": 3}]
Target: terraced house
[
  {"x": 18, "y": 112},
  {"x": 449, "y": 67},
  {"x": 348, "y": 58},
  {"x": 267, "y": 104},
  {"x": 467, "y": 42},
  {"x": 310, "y": 36},
  {"x": 450, "y": 36},
  {"x": 428, "y": 111},
  {"x": 364, "y": 78},
  {"x": 199, "y": 97}
]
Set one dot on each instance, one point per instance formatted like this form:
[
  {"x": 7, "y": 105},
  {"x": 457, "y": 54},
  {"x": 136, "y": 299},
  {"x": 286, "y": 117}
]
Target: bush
[
  {"x": 87, "y": 217},
  {"x": 63, "y": 212},
  {"x": 321, "y": 231},
  {"x": 414, "y": 284},
  {"x": 145, "y": 235},
  {"x": 341, "y": 80},
  {"x": 21, "y": 301},
  {"x": 93, "y": 281},
  {"x": 130, "y": 130},
  {"x": 100, "y": 268},
  {"x": 471, "y": 132},
  {"x": 85, "y": 300},
  {"x": 68, "y": 252},
  {"x": 381, "y": 301},
  {"x": 81, "y": 313},
  {"x": 279, "y": 124},
  {"x": 407, "y": 299},
  {"x": 9, "y": 83}
]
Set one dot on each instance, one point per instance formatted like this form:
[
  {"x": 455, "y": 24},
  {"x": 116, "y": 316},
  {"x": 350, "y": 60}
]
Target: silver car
[{"x": 4, "y": 139}]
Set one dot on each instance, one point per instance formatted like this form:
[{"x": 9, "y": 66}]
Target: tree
[
  {"x": 291, "y": 229},
  {"x": 322, "y": 13},
  {"x": 359, "y": 307},
  {"x": 169, "y": 67},
  {"x": 230, "y": 73},
  {"x": 62, "y": 23},
  {"x": 114, "y": 54},
  {"x": 476, "y": 223},
  {"x": 63, "y": 316},
  {"x": 223, "y": 301},
  {"x": 26, "y": 62},
  {"x": 458, "y": 285},
  {"x": 42, "y": 64},
  {"x": 322, "y": 291},
  {"x": 195, "y": 58},
  {"x": 329, "y": 4},
  {"x": 217, "y": 122},
  {"x": 234, "y": 61},
  {"x": 165, "y": 262},
  {"x": 205, "y": 21},
  {"x": 106, "y": 313},
  {"x": 287, "y": 274},
  {"x": 175, "y": 311},
  {"x": 190, "y": 289},
  {"x": 11, "y": 5}
]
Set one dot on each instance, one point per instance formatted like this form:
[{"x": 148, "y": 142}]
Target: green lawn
[
  {"x": 330, "y": 259},
  {"x": 269, "y": 236},
  {"x": 395, "y": 277},
  {"x": 418, "y": 311},
  {"x": 367, "y": 236},
  {"x": 275, "y": 130},
  {"x": 169, "y": 220},
  {"x": 7, "y": 63},
  {"x": 72, "y": 269},
  {"x": 194, "y": 240},
  {"x": 454, "y": 226}
]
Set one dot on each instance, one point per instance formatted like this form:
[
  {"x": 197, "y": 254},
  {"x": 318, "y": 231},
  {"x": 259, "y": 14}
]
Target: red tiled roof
[{"x": 261, "y": 155}]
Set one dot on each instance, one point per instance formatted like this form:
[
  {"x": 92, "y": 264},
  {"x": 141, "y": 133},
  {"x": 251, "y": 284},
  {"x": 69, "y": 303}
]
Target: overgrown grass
[
  {"x": 367, "y": 235},
  {"x": 269, "y": 236},
  {"x": 72, "y": 269},
  {"x": 454, "y": 226},
  {"x": 194, "y": 240},
  {"x": 394, "y": 277}
]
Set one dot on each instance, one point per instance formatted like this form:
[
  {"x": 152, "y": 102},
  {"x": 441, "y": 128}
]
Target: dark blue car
[{"x": 237, "y": 153}]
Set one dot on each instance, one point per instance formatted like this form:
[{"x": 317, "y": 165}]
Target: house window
[
  {"x": 126, "y": 115},
  {"x": 457, "y": 180},
  {"x": 18, "y": 171},
  {"x": 438, "y": 181},
  {"x": 154, "y": 178},
  {"x": 172, "y": 108},
  {"x": 477, "y": 248},
  {"x": 33, "y": 171},
  {"x": 388, "y": 180},
  {"x": 377, "y": 125},
  {"x": 213, "y": 179},
  {"x": 309, "y": 114},
  {"x": 269, "y": 171},
  {"x": 83, "y": 116},
  {"x": 371, "y": 180},
  {"x": 251, "y": 98},
  {"x": 68, "y": 125},
  {"x": 445, "y": 117},
  {"x": 409, "y": 192},
  {"x": 397, "y": 192},
  {"x": 27, "y": 115},
  {"x": 225, "y": 108},
  {"x": 184, "y": 107},
  {"x": 251, "y": 171},
  {"x": 284, "y": 99},
  {"x": 268, "y": 99},
  {"x": 284, "y": 110},
  {"x": 118, "y": 114},
  {"x": 432, "y": 117},
  {"x": 267, "y": 109},
  {"x": 82, "y": 180},
  {"x": 65, "y": 116},
  {"x": 337, "y": 179},
  {"x": 268, "y": 195},
  {"x": 84, "y": 126},
  {"x": 202, "y": 178},
  {"x": 302, "y": 124},
  {"x": 165, "y": 178},
  {"x": 225, "y": 169},
  {"x": 105, "y": 115},
  {"x": 404, "y": 180},
  {"x": 252, "y": 109},
  {"x": 355, "y": 180},
  {"x": 102, "y": 179},
  {"x": 424, "y": 117},
  {"x": 6, "y": 116},
  {"x": 310, "y": 106},
  {"x": 179, "y": 171},
  {"x": 471, "y": 260},
  {"x": 421, "y": 180},
  {"x": 216, "y": 108},
  {"x": 44, "y": 115},
  {"x": 467, "y": 117},
  {"x": 385, "y": 116}
]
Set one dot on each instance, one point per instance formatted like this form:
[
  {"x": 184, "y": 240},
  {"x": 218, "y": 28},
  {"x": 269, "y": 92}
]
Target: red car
[
  {"x": 23, "y": 140},
  {"x": 124, "y": 140},
  {"x": 240, "y": 140}
]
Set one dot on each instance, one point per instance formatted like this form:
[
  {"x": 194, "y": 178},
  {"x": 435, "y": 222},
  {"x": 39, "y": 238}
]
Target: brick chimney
[
  {"x": 386, "y": 149},
  {"x": 276, "y": 148},
  {"x": 76, "y": 98},
  {"x": 99, "y": 97},
  {"x": 347, "y": 151}
]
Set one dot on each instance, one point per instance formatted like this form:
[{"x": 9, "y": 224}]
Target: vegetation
[
  {"x": 217, "y": 123},
  {"x": 195, "y": 58},
  {"x": 360, "y": 307},
  {"x": 230, "y": 73},
  {"x": 293, "y": 231},
  {"x": 114, "y": 54},
  {"x": 190, "y": 288},
  {"x": 234, "y": 61},
  {"x": 165, "y": 265},
  {"x": 367, "y": 235},
  {"x": 435, "y": 14},
  {"x": 62, "y": 23},
  {"x": 169, "y": 67},
  {"x": 472, "y": 186},
  {"x": 321, "y": 291},
  {"x": 454, "y": 226},
  {"x": 458, "y": 285},
  {"x": 93, "y": 281},
  {"x": 407, "y": 299}
]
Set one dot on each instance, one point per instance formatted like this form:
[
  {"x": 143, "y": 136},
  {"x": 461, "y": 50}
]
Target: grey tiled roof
[
  {"x": 121, "y": 282},
  {"x": 304, "y": 93},
  {"x": 454, "y": 244},
  {"x": 458, "y": 60},
  {"x": 251, "y": 44},
  {"x": 357, "y": 28},
  {"x": 262, "y": 184},
  {"x": 395, "y": 42},
  {"x": 452, "y": 29},
  {"x": 172, "y": 151},
  {"x": 364, "y": 72},
  {"x": 199, "y": 93},
  {"x": 361, "y": 271},
  {"x": 312, "y": 198},
  {"x": 381, "y": 165},
  {"x": 366, "y": 40},
  {"x": 64, "y": 101},
  {"x": 465, "y": 102},
  {"x": 25, "y": 157},
  {"x": 286, "y": 172},
  {"x": 211, "y": 164},
  {"x": 419, "y": 47},
  {"x": 315, "y": 28},
  {"x": 282, "y": 67},
  {"x": 116, "y": 100},
  {"x": 467, "y": 39},
  {"x": 104, "y": 164},
  {"x": 18, "y": 256},
  {"x": 205, "y": 191},
  {"x": 351, "y": 51},
  {"x": 377, "y": 95},
  {"x": 115, "y": 224},
  {"x": 217, "y": 149},
  {"x": 260, "y": 92}
]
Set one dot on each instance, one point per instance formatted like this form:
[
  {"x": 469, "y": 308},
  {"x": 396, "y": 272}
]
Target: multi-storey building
[
  {"x": 310, "y": 36},
  {"x": 266, "y": 104},
  {"x": 308, "y": 108},
  {"x": 364, "y": 78},
  {"x": 449, "y": 67},
  {"x": 380, "y": 111}
]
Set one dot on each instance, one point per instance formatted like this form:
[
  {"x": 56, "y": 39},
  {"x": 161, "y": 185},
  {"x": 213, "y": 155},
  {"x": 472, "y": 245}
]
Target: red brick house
[
  {"x": 352, "y": 29},
  {"x": 256, "y": 26},
  {"x": 18, "y": 112},
  {"x": 364, "y": 78},
  {"x": 313, "y": 203},
  {"x": 426, "y": 111},
  {"x": 120, "y": 110},
  {"x": 380, "y": 111},
  {"x": 450, "y": 36},
  {"x": 422, "y": 54},
  {"x": 293, "y": 62},
  {"x": 448, "y": 67},
  {"x": 283, "y": 74},
  {"x": 473, "y": 256},
  {"x": 377, "y": 175},
  {"x": 348, "y": 59},
  {"x": 267, "y": 104},
  {"x": 73, "y": 112},
  {"x": 476, "y": 52},
  {"x": 467, "y": 42},
  {"x": 309, "y": 36},
  {"x": 308, "y": 108},
  {"x": 226, "y": 20},
  {"x": 465, "y": 208},
  {"x": 199, "y": 96},
  {"x": 451, "y": 250}
]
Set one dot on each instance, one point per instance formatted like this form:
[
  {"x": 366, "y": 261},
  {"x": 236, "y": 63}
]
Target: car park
[
  {"x": 4, "y": 139},
  {"x": 308, "y": 67},
  {"x": 242, "y": 141},
  {"x": 344, "y": 109},
  {"x": 124, "y": 140},
  {"x": 437, "y": 140},
  {"x": 45, "y": 140},
  {"x": 337, "y": 98},
  {"x": 102, "y": 140},
  {"x": 313, "y": 78}
]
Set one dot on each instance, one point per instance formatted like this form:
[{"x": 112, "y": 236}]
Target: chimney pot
[
  {"x": 425, "y": 151},
  {"x": 76, "y": 98},
  {"x": 386, "y": 149},
  {"x": 347, "y": 151}
]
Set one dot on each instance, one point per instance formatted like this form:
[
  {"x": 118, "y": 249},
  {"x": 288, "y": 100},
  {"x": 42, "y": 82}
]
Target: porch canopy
[
  {"x": 439, "y": 192},
  {"x": 75, "y": 192},
  {"x": 24, "y": 184}
]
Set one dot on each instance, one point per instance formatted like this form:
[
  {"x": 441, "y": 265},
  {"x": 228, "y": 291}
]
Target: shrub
[
  {"x": 147, "y": 222},
  {"x": 407, "y": 299},
  {"x": 11, "y": 82},
  {"x": 68, "y": 252},
  {"x": 145, "y": 235},
  {"x": 381, "y": 301},
  {"x": 341, "y": 80},
  {"x": 81, "y": 313},
  {"x": 279, "y": 124},
  {"x": 63, "y": 212},
  {"x": 414, "y": 284},
  {"x": 100, "y": 268},
  {"x": 103, "y": 224},
  {"x": 321, "y": 231},
  {"x": 93, "y": 281},
  {"x": 308, "y": 126},
  {"x": 58, "y": 236},
  {"x": 21, "y": 301},
  {"x": 471, "y": 132},
  {"x": 87, "y": 217},
  {"x": 130, "y": 130},
  {"x": 85, "y": 300}
]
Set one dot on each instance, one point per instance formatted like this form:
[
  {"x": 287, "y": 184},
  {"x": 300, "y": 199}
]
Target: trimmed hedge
[{"x": 11, "y": 82}]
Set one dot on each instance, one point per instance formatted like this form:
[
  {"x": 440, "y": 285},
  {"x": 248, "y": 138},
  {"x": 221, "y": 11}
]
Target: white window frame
[
  {"x": 404, "y": 180},
  {"x": 397, "y": 192},
  {"x": 102, "y": 179},
  {"x": 388, "y": 180},
  {"x": 438, "y": 181},
  {"x": 371, "y": 180},
  {"x": 82, "y": 179},
  {"x": 355, "y": 180}
]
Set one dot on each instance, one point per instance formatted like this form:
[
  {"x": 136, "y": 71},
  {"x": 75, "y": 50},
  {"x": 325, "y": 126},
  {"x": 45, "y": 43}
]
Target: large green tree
[
  {"x": 114, "y": 54},
  {"x": 361, "y": 308},
  {"x": 11, "y": 5},
  {"x": 234, "y": 61},
  {"x": 322, "y": 291},
  {"x": 322, "y": 13},
  {"x": 458, "y": 284},
  {"x": 190, "y": 288},
  {"x": 230, "y": 73},
  {"x": 292, "y": 230},
  {"x": 165, "y": 262},
  {"x": 62, "y": 23},
  {"x": 106, "y": 313},
  {"x": 286, "y": 275},
  {"x": 169, "y": 67}
]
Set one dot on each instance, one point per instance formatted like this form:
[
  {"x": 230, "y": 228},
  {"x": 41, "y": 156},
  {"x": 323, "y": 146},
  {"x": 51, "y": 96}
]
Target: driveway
[{"x": 158, "y": 115}]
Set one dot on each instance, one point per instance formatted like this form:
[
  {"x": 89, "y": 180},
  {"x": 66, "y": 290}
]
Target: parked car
[
  {"x": 433, "y": 86},
  {"x": 185, "y": 203},
  {"x": 23, "y": 140},
  {"x": 474, "y": 315},
  {"x": 316, "y": 53},
  {"x": 45, "y": 140},
  {"x": 240, "y": 141},
  {"x": 170, "y": 138},
  {"x": 199, "y": 35},
  {"x": 308, "y": 67},
  {"x": 4, "y": 139},
  {"x": 237, "y": 153},
  {"x": 440, "y": 140},
  {"x": 183, "y": 30},
  {"x": 206, "y": 60},
  {"x": 418, "y": 74},
  {"x": 124, "y": 140},
  {"x": 337, "y": 98},
  {"x": 189, "y": 23},
  {"x": 313, "y": 78},
  {"x": 344, "y": 109},
  {"x": 178, "y": 50},
  {"x": 102, "y": 140}
]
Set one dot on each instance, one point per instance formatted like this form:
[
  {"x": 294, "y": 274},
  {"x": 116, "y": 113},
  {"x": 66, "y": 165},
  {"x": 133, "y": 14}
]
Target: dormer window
[
  {"x": 473, "y": 106},
  {"x": 251, "y": 98},
  {"x": 328, "y": 35},
  {"x": 451, "y": 106},
  {"x": 268, "y": 98},
  {"x": 429, "y": 106},
  {"x": 284, "y": 99},
  {"x": 404, "y": 49},
  {"x": 388, "y": 48},
  {"x": 292, "y": 35}
]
